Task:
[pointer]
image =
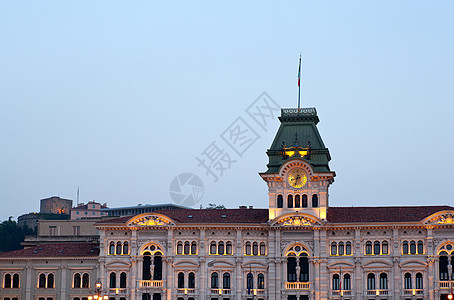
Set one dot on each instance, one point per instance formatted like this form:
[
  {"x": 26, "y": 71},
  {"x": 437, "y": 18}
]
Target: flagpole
[{"x": 299, "y": 84}]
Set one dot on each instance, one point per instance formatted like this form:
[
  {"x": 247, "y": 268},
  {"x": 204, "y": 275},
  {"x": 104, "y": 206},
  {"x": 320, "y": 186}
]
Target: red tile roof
[
  {"x": 382, "y": 213},
  {"x": 203, "y": 216},
  {"x": 56, "y": 250},
  {"x": 260, "y": 216}
]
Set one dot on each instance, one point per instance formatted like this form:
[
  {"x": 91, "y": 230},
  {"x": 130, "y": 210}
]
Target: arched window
[
  {"x": 193, "y": 248},
  {"x": 118, "y": 250},
  {"x": 407, "y": 281},
  {"x": 125, "y": 248},
  {"x": 77, "y": 281},
  {"x": 112, "y": 248},
  {"x": 180, "y": 280},
  {"x": 297, "y": 201},
  {"x": 186, "y": 248},
  {"x": 368, "y": 247},
  {"x": 290, "y": 201},
  {"x": 419, "y": 281},
  {"x": 255, "y": 248},
  {"x": 248, "y": 248},
  {"x": 42, "y": 281},
  {"x": 113, "y": 280},
  {"x": 221, "y": 248},
  {"x": 347, "y": 282},
  {"x": 304, "y": 201},
  {"x": 384, "y": 247},
  {"x": 214, "y": 280},
  {"x": 123, "y": 280},
  {"x": 7, "y": 281},
  {"x": 50, "y": 281},
  {"x": 191, "y": 280},
  {"x": 250, "y": 281},
  {"x": 261, "y": 281},
  {"x": 370, "y": 281},
  {"x": 16, "y": 281},
  {"x": 229, "y": 248},
  {"x": 314, "y": 200},
  {"x": 412, "y": 247},
  {"x": 341, "y": 248},
  {"x": 226, "y": 281},
  {"x": 85, "y": 281},
  {"x": 157, "y": 272},
  {"x": 443, "y": 266},
  {"x": 304, "y": 265},
  {"x": 348, "y": 248},
  {"x": 180, "y": 248},
  {"x": 420, "y": 247},
  {"x": 336, "y": 282},
  {"x": 291, "y": 268},
  {"x": 333, "y": 248},
  {"x": 405, "y": 247},
  {"x": 262, "y": 248},
  {"x": 280, "y": 201},
  {"x": 376, "y": 248},
  {"x": 146, "y": 274},
  {"x": 213, "y": 247},
  {"x": 383, "y": 281}
]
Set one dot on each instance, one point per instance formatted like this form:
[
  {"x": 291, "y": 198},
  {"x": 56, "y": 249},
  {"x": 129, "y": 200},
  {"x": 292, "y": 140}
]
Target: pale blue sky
[{"x": 119, "y": 97}]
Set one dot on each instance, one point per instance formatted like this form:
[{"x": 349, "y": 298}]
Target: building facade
[
  {"x": 298, "y": 248},
  {"x": 91, "y": 209}
]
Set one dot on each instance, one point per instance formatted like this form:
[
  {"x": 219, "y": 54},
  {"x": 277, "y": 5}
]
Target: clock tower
[{"x": 298, "y": 174}]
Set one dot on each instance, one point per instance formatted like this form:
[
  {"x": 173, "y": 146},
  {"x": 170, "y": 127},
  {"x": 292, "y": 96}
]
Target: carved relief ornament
[{"x": 151, "y": 220}]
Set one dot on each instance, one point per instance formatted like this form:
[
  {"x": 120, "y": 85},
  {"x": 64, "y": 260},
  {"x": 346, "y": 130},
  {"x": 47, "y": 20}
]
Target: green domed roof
[{"x": 298, "y": 131}]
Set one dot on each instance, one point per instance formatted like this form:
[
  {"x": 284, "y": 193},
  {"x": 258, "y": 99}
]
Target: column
[
  {"x": 429, "y": 278},
  {"x": 396, "y": 275},
  {"x": 133, "y": 277},
  {"x": 280, "y": 278},
  {"x": 359, "y": 287},
  {"x": 238, "y": 276},
  {"x": 28, "y": 285},
  {"x": 271, "y": 274},
  {"x": 316, "y": 288},
  {"x": 63, "y": 287},
  {"x": 169, "y": 278}
]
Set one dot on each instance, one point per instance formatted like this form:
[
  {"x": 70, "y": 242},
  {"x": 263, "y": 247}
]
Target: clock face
[{"x": 297, "y": 178}]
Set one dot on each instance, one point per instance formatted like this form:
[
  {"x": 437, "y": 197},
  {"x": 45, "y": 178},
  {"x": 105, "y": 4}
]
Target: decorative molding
[{"x": 151, "y": 220}]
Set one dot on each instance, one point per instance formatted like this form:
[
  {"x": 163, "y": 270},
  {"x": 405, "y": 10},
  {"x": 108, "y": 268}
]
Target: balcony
[
  {"x": 186, "y": 291},
  {"x": 341, "y": 293},
  {"x": 297, "y": 285},
  {"x": 444, "y": 285},
  {"x": 118, "y": 291},
  {"x": 416, "y": 292},
  {"x": 221, "y": 291},
  {"x": 150, "y": 283},
  {"x": 377, "y": 292}
]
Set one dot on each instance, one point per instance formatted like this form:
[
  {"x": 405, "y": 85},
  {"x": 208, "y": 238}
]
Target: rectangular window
[
  {"x": 76, "y": 230},
  {"x": 52, "y": 230}
]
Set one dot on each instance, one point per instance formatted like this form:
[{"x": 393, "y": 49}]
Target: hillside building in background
[
  {"x": 298, "y": 248},
  {"x": 55, "y": 205},
  {"x": 91, "y": 209}
]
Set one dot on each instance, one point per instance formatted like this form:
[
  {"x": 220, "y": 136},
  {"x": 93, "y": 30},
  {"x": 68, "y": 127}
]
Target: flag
[
  {"x": 340, "y": 280},
  {"x": 299, "y": 72}
]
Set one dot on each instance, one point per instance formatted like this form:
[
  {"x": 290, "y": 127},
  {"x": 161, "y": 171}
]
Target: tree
[{"x": 12, "y": 235}]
